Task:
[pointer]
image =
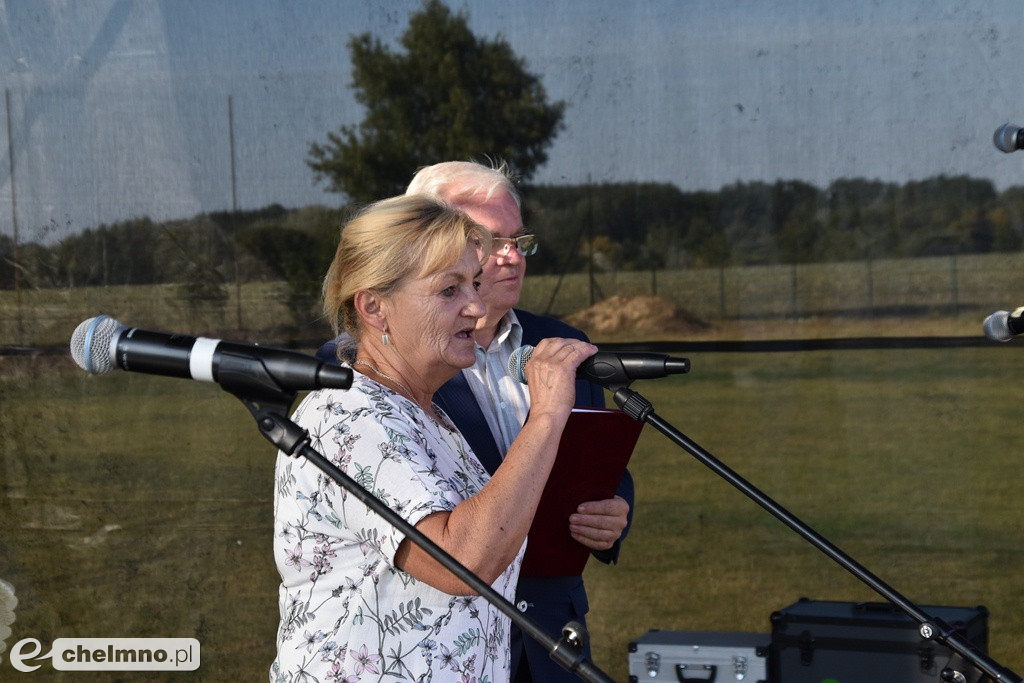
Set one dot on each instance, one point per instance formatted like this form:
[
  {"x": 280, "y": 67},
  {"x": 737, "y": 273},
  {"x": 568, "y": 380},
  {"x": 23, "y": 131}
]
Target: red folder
[{"x": 596, "y": 446}]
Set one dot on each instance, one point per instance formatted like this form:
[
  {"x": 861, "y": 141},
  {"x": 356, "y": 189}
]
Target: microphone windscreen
[
  {"x": 996, "y": 327},
  {"x": 517, "y": 362},
  {"x": 90, "y": 344},
  {"x": 1006, "y": 138}
]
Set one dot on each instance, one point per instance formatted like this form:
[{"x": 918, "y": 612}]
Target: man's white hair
[{"x": 463, "y": 182}]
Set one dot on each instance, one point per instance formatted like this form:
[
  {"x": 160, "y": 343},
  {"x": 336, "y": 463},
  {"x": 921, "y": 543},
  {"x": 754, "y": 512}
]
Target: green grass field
[
  {"x": 138, "y": 506},
  {"x": 904, "y": 459}
]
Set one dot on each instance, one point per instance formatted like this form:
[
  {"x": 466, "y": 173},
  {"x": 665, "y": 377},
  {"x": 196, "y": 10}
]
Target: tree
[
  {"x": 449, "y": 96},
  {"x": 298, "y": 257}
]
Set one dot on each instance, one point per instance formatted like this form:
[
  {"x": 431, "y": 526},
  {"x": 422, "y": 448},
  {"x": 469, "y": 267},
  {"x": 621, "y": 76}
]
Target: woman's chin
[{"x": 465, "y": 358}]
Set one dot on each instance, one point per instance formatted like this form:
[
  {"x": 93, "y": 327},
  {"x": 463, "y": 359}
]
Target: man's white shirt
[{"x": 504, "y": 401}]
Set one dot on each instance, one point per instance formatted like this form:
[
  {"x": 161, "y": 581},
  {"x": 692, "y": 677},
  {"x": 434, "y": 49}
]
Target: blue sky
[{"x": 119, "y": 107}]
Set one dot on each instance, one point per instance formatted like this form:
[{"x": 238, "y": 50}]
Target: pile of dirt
[{"x": 635, "y": 314}]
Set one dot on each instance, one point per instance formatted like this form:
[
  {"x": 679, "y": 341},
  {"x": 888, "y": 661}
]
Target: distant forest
[{"x": 630, "y": 226}]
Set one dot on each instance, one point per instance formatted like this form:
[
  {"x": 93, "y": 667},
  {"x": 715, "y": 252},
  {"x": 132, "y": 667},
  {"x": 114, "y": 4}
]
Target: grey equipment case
[{"x": 699, "y": 656}]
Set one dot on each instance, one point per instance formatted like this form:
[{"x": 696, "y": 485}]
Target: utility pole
[
  {"x": 234, "y": 213},
  {"x": 14, "y": 222}
]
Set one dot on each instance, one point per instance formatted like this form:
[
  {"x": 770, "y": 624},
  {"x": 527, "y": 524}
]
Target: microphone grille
[
  {"x": 1006, "y": 138},
  {"x": 90, "y": 344},
  {"x": 997, "y": 328},
  {"x": 517, "y": 361}
]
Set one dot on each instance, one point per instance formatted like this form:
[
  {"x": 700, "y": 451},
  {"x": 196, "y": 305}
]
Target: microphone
[
  {"x": 1002, "y": 326},
  {"x": 102, "y": 344},
  {"x": 609, "y": 368},
  {"x": 1008, "y": 138}
]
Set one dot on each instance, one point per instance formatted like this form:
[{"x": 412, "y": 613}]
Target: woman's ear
[{"x": 369, "y": 306}]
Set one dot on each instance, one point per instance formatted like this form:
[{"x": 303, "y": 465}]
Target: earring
[{"x": 384, "y": 336}]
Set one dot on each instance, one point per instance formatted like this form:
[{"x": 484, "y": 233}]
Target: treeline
[
  {"x": 640, "y": 226},
  {"x": 627, "y": 226},
  {"x": 203, "y": 255}
]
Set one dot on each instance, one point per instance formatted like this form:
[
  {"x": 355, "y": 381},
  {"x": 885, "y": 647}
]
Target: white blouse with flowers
[{"x": 347, "y": 614}]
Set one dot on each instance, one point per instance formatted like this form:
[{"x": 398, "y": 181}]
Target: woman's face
[{"x": 431, "y": 319}]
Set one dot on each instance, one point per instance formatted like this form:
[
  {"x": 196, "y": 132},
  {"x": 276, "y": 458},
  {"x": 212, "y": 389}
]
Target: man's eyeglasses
[{"x": 526, "y": 245}]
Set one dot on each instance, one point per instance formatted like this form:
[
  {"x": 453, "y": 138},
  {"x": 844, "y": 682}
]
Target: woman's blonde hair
[{"x": 391, "y": 241}]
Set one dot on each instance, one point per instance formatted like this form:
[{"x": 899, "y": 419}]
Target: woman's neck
[{"x": 384, "y": 374}]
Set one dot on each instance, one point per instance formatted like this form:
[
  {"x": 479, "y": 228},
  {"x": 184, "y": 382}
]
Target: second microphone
[{"x": 609, "y": 368}]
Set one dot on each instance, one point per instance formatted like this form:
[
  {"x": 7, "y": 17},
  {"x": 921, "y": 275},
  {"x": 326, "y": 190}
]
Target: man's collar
[{"x": 509, "y": 330}]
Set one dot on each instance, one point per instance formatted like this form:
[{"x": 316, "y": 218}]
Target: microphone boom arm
[
  {"x": 267, "y": 381},
  {"x": 930, "y": 628},
  {"x": 250, "y": 382}
]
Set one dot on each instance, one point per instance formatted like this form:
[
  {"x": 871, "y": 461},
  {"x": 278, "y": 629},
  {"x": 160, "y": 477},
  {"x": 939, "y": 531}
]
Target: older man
[{"x": 489, "y": 407}]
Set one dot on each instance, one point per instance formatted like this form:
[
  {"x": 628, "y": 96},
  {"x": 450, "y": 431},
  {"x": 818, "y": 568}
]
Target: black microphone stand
[
  {"x": 930, "y": 628},
  {"x": 269, "y": 403}
]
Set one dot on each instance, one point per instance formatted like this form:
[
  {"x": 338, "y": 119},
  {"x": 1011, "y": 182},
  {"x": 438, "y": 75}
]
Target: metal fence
[{"x": 936, "y": 286}]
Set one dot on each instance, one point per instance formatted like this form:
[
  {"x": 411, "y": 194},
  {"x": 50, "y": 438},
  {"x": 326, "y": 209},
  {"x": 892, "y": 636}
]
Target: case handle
[{"x": 681, "y": 674}]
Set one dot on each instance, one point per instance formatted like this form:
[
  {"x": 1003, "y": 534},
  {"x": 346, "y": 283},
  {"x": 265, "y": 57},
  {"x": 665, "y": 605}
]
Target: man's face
[{"x": 502, "y": 279}]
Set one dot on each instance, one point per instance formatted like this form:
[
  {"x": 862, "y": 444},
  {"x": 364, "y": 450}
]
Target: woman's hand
[{"x": 551, "y": 374}]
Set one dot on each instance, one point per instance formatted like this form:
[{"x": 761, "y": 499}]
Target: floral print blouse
[{"x": 347, "y": 613}]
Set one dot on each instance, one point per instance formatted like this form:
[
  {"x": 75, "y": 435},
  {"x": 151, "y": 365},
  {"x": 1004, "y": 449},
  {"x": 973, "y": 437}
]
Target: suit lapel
[{"x": 456, "y": 399}]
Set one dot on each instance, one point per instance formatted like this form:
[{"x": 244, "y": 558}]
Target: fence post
[
  {"x": 792, "y": 291},
  {"x": 954, "y": 284},
  {"x": 721, "y": 292},
  {"x": 870, "y": 287}
]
